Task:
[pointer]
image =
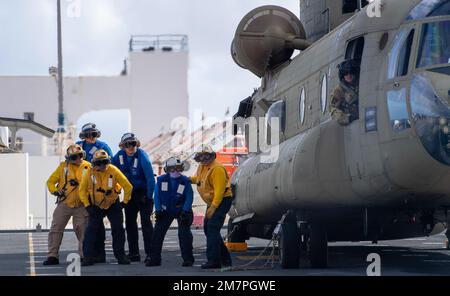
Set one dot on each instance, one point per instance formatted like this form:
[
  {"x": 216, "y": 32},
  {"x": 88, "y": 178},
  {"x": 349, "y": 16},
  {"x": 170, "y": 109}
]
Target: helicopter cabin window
[
  {"x": 350, "y": 6},
  {"x": 398, "y": 57},
  {"x": 302, "y": 105},
  {"x": 323, "y": 93},
  {"x": 276, "y": 112},
  {"x": 398, "y": 113},
  {"x": 355, "y": 49}
]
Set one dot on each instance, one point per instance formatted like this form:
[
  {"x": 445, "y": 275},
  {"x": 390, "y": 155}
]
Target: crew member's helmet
[
  {"x": 174, "y": 163},
  {"x": 90, "y": 130},
  {"x": 101, "y": 158},
  {"x": 74, "y": 152},
  {"x": 348, "y": 67},
  {"x": 205, "y": 152},
  {"x": 129, "y": 139}
]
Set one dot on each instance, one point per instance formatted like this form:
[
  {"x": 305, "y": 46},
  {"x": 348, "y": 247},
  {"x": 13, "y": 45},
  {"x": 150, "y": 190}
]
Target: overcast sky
[{"x": 96, "y": 43}]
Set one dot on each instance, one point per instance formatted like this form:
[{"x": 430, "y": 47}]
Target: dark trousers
[
  {"x": 115, "y": 217},
  {"x": 99, "y": 249},
  {"x": 184, "y": 236},
  {"x": 216, "y": 251},
  {"x": 143, "y": 206}
]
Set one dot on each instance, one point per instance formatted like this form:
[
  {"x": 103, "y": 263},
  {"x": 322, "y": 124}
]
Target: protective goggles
[
  {"x": 75, "y": 157},
  {"x": 99, "y": 163},
  {"x": 91, "y": 134},
  {"x": 199, "y": 157},
  {"x": 349, "y": 73},
  {"x": 130, "y": 144},
  {"x": 178, "y": 168}
]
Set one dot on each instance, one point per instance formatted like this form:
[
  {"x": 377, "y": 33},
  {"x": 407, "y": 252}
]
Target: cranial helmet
[
  {"x": 89, "y": 128},
  {"x": 75, "y": 150},
  {"x": 205, "y": 150},
  {"x": 348, "y": 67},
  {"x": 173, "y": 163},
  {"x": 127, "y": 138},
  {"x": 101, "y": 157}
]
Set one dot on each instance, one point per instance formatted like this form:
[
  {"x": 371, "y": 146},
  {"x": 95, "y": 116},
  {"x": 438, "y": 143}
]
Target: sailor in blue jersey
[
  {"x": 90, "y": 142},
  {"x": 173, "y": 200},
  {"x": 136, "y": 166}
]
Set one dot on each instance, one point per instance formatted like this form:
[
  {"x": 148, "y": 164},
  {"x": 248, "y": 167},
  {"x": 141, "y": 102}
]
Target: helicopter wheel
[
  {"x": 289, "y": 244},
  {"x": 318, "y": 246}
]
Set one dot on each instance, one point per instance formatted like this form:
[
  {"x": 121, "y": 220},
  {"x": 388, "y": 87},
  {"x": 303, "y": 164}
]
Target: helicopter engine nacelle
[{"x": 267, "y": 37}]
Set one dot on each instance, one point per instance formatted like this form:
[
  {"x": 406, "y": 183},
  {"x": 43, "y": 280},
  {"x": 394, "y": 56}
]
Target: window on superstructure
[{"x": 350, "y": 6}]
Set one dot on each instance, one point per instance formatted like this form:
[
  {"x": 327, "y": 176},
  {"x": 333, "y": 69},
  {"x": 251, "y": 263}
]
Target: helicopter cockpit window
[
  {"x": 398, "y": 58},
  {"x": 276, "y": 111},
  {"x": 398, "y": 113},
  {"x": 429, "y": 8},
  {"x": 434, "y": 44}
]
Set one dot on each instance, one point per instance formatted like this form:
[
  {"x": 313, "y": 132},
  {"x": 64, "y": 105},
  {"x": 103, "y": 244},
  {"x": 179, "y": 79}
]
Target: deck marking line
[{"x": 31, "y": 250}]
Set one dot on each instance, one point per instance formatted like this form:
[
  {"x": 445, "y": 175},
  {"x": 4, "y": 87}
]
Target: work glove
[
  {"x": 59, "y": 196},
  {"x": 58, "y": 193},
  {"x": 91, "y": 210},
  {"x": 210, "y": 212},
  {"x": 185, "y": 218}
]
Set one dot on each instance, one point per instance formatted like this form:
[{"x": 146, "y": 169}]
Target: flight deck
[{"x": 22, "y": 254}]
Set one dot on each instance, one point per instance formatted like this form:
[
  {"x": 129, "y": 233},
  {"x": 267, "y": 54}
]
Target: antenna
[{"x": 61, "y": 119}]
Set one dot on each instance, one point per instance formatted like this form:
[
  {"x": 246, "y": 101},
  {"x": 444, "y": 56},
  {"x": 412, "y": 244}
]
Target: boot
[
  {"x": 123, "y": 260},
  {"x": 211, "y": 265},
  {"x": 187, "y": 263},
  {"x": 134, "y": 258},
  {"x": 51, "y": 261},
  {"x": 226, "y": 263},
  {"x": 99, "y": 259},
  {"x": 153, "y": 262},
  {"x": 87, "y": 262}
]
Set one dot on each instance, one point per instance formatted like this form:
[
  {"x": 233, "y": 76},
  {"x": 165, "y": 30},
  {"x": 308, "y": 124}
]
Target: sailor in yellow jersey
[
  {"x": 99, "y": 192},
  {"x": 63, "y": 184},
  {"x": 213, "y": 185}
]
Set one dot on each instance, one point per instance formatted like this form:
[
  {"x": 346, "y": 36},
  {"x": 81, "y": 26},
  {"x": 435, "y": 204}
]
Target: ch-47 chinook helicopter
[{"x": 384, "y": 176}]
